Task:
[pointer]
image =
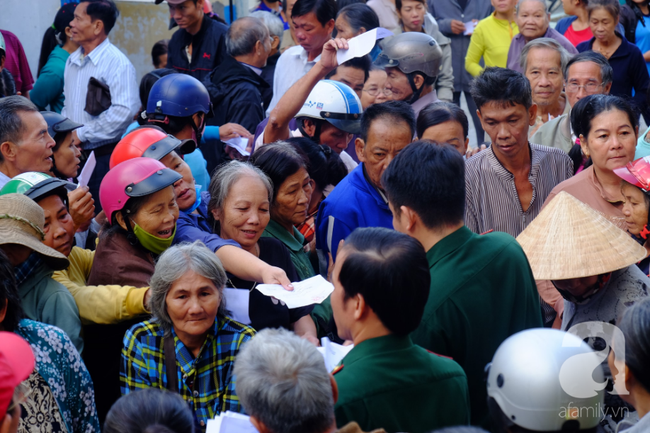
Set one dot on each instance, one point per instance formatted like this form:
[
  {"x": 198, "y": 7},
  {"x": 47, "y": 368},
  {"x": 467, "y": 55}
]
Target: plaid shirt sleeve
[{"x": 142, "y": 358}]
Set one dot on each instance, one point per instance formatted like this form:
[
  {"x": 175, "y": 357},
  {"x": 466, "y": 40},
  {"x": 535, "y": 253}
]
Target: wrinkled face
[
  {"x": 187, "y": 14},
  {"x": 343, "y": 29},
  {"x": 503, "y": 6},
  {"x": 310, "y": 33},
  {"x": 373, "y": 89},
  {"x": 159, "y": 214},
  {"x": 602, "y": 24},
  {"x": 82, "y": 27},
  {"x": 245, "y": 212},
  {"x": 412, "y": 15},
  {"x": 334, "y": 138},
  {"x": 635, "y": 208},
  {"x": 59, "y": 227},
  {"x": 66, "y": 157},
  {"x": 351, "y": 77},
  {"x": 341, "y": 307},
  {"x": 291, "y": 202},
  {"x": 611, "y": 142},
  {"x": 192, "y": 304},
  {"x": 185, "y": 188},
  {"x": 397, "y": 83},
  {"x": 577, "y": 286},
  {"x": 544, "y": 71},
  {"x": 34, "y": 151},
  {"x": 507, "y": 126},
  {"x": 450, "y": 132},
  {"x": 532, "y": 20},
  {"x": 386, "y": 139},
  {"x": 584, "y": 79}
]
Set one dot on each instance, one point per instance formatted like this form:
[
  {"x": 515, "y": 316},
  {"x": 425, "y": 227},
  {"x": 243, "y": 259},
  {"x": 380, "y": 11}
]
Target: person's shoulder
[
  {"x": 478, "y": 162},
  {"x": 233, "y": 327},
  {"x": 550, "y": 152},
  {"x": 349, "y": 191},
  {"x": 145, "y": 330},
  {"x": 441, "y": 367},
  {"x": 291, "y": 52},
  {"x": 216, "y": 27}
]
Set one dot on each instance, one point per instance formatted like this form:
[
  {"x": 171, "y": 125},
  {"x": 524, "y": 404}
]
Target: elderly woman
[
  {"x": 543, "y": 62},
  {"x": 189, "y": 346},
  {"x": 635, "y": 326},
  {"x": 61, "y": 394},
  {"x": 286, "y": 167},
  {"x": 373, "y": 88},
  {"x": 607, "y": 127},
  {"x": 241, "y": 196},
  {"x": 630, "y": 72}
]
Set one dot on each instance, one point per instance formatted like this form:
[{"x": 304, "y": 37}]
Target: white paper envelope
[{"x": 237, "y": 302}]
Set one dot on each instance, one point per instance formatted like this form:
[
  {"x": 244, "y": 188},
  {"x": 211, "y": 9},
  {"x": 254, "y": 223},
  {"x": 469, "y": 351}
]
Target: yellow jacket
[
  {"x": 99, "y": 304},
  {"x": 490, "y": 40}
]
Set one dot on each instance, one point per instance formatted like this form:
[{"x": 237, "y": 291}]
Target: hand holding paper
[
  {"x": 239, "y": 144},
  {"x": 87, "y": 171},
  {"x": 313, "y": 290},
  {"x": 361, "y": 45}
]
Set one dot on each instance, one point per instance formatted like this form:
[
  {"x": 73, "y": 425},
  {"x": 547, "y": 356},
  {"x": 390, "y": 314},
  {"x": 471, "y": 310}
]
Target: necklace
[{"x": 235, "y": 287}]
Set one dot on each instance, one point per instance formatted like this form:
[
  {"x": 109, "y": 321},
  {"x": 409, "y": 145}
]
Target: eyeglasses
[
  {"x": 589, "y": 87},
  {"x": 375, "y": 92}
]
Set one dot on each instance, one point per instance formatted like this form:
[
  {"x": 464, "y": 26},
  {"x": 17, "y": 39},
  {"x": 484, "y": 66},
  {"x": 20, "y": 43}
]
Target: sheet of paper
[
  {"x": 237, "y": 301},
  {"x": 333, "y": 353},
  {"x": 313, "y": 290},
  {"x": 87, "y": 171},
  {"x": 230, "y": 422},
  {"x": 469, "y": 28},
  {"x": 240, "y": 144},
  {"x": 361, "y": 45}
]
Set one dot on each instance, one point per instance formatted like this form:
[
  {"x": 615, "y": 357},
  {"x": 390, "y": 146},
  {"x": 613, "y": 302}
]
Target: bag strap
[{"x": 170, "y": 363}]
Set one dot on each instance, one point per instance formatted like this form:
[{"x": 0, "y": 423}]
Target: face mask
[
  {"x": 197, "y": 203},
  {"x": 153, "y": 243}
]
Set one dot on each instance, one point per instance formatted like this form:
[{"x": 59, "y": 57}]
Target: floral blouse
[{"x": 60, "y": 365}]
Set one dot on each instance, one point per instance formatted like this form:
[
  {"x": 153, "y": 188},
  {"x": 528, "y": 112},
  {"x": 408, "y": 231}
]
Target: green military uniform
[
  {"x": 482, "y": 291},
  {"x": 389, "y": 382},
  {"x": 295, "y": 244}
]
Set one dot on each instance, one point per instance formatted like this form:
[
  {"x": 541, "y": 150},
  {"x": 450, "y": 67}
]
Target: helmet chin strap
[
  {"x": 416, "y": 92},
  {"x": 197, "y": 131},
  {"x": 317, "y": 130}
]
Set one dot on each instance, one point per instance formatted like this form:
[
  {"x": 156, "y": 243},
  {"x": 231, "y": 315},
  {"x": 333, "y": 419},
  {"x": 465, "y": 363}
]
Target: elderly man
[
  {"x": 313, "y": 23},
  {"x": 101, "y": 68},
  {"x": 587, "y": 73},
  {"x": 544, "y": 62},
  {"x": 236, "y": 85},
  {"x": 381, "y": 285},
  {"x": 25, "y": 144},
  {"x": 533, "y": 20},
  {"x": 276, "y": 30},
  {"x": 508, "y": 183},
  {"x": 465, "y": 317}
]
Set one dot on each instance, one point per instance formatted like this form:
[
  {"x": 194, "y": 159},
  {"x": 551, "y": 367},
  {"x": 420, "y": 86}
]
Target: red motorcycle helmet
[{"x": 149, "y": 142}]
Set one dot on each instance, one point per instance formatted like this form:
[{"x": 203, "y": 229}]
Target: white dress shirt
[{"x": 110, "y": 66}]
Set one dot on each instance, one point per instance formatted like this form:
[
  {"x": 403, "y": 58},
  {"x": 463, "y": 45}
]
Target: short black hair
[
  {"x": 9, "y": 295},
  {"x": 613, "y": 7},
  {"x": 159, "y": 48},
  {"x": 430, "y": 180},
  {"x": 325, "y": 10},
  {"x": 586, "y": 109},
  {"x": 359, "y": 15},
  {"x": 390, "y": 270},
  {"x": 398, "y": 4},
  {"x": 104, "y": 10},
  {"x": 325, "y": 165},
  {"x": 502, "y": 86},
  {"x": 364, "y": 63},
  {"x": 279, "y": 161},
  {"x": 440, "y": 112},
  {"x": 396, "y": 111}
]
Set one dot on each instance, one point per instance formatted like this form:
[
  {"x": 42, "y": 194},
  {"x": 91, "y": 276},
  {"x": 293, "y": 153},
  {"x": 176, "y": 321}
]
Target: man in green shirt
[
  {"x": 482, "y": 287},
  {"x": 381, "y": 282}
]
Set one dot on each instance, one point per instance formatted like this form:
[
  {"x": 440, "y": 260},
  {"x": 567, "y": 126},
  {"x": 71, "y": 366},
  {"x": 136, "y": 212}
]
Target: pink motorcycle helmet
[{"x": 135, "y": 177}]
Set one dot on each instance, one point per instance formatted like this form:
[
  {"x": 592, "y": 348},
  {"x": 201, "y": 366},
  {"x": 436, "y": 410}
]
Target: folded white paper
[
  {"x": 240, "y": 144},
  {"x": 313, "y": 290},
  {"x": 237, "y": 301},
  {"x": 361, "y": 45},
  {"x": 333, "y": 353},
  {"x": 469, "y": 28},
  {"x": 230, "y": 422},
  {"x": 87, "y": 171}
]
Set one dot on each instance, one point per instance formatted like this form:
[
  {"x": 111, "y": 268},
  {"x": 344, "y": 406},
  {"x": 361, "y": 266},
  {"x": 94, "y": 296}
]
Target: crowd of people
[{"x": 501, "y": 288}]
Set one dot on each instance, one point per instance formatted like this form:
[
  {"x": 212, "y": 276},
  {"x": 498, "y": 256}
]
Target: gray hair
[
  {"x": 282, "y": 381},
  {"x": 271, "y": 21},
  {"x": 606, "y": 71},
  {"x": 11, "y": 124},
  {"x": 549, "y": 43},
  {"x": 243, "y": 34},
  {"x": 227, "y": 175},
  {"x": 172, "y": 265},
  {"x": 520, "y": 2}
]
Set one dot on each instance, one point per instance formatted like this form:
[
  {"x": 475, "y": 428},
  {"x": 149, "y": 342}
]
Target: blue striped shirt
[{"x": 110, "y": 66}]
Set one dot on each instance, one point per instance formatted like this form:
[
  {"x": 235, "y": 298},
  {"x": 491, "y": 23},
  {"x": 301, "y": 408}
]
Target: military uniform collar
[
  {"x": 375, "y": 347},
  {"x": 448, "y": 245}
]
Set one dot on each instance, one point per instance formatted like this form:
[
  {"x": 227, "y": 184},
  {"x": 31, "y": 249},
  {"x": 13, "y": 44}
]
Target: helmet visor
[
  {"x": 154, "y": 183},
  {"x": 348, "y": 122}
]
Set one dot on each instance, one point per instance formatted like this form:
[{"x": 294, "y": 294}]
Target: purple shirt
[
  {"x": 518, "y": 43},
  {"x": 16, "y": 63}
]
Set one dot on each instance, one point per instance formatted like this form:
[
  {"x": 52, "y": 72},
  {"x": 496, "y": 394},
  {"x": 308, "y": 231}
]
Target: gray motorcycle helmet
[
  {"x": 411, "y": 52},
  {"x": 546, "y": 380}
]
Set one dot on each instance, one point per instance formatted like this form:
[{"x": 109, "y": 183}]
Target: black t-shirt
[{"x": 264, "y": 311}]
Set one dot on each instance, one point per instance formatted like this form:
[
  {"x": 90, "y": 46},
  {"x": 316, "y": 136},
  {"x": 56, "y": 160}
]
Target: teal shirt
[
  {"x": 48, "y": 88},
  {"x": 389, "y": 382},
  {"x": 295, "y": 244},
  {"x": 642, "y": 146},
  {"x": 482, "y": 291}
]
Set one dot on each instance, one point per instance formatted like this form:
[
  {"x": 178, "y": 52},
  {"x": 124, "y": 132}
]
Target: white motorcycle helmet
[
  {"x": 546, "y": 380},
  {"x": 335, "y": 103}
]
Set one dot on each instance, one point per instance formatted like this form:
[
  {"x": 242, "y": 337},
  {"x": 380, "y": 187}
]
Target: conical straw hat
[{"x": 569, "y": 239}]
